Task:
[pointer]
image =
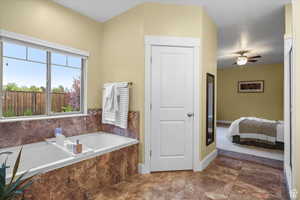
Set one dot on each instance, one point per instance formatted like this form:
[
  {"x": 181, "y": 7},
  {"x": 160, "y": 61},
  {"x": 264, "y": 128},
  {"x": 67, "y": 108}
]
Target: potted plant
[{"x": 15, "y": 188}]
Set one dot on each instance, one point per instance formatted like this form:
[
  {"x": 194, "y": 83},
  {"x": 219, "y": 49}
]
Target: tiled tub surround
[
  {"x": 132, "y": 130},
  {"x": 70, "y": 178},
  {"x": 31, "y": 131},
  {"x": 82, "y": 180},
  {"x": 42, "y": 157}
]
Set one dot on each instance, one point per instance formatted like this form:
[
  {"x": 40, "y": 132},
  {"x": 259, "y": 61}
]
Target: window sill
[{"x": 42, "y": 117}]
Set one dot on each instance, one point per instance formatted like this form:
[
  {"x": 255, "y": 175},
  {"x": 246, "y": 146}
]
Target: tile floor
[{"x": 225, "y": 179}]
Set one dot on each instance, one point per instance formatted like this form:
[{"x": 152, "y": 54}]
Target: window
[
  {"x": 37, "y": 81},
  {"x": 65, "y": 83}
]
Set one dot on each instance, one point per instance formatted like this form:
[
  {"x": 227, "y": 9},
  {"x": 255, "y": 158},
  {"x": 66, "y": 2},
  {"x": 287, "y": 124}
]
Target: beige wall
[
  {"x": 49, "y": 21},
  {"x": 296, "y": 118},
  {"x": 123, "y": 49},
  {"x": 288, "y": 20},
  {"x": 123, "y": 58},
  {"x": 117, "y": 46},
  {"x": 233, "y": 105},
  {"x": 172, "y": 20},
  {"x": 208, "y": 65}
]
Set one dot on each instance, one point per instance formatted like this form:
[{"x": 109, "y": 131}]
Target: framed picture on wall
[{"x": 251, "y": 86}]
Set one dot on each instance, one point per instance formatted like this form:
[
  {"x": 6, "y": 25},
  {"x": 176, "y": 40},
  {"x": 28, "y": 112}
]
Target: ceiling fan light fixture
[{"x": 242, "y": 60}]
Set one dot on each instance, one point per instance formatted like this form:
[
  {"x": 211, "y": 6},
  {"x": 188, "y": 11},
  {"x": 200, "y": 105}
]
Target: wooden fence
[{"x": 21, "y": 103}]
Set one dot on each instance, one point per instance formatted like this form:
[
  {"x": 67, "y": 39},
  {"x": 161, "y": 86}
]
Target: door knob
[{"x": 190, "y": 114}]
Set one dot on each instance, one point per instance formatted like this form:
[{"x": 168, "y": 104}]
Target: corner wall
[
  {"x": 233, "y": 105},
  {"x": 123, "y": 59},
  {"x": 123, "y": 48}
]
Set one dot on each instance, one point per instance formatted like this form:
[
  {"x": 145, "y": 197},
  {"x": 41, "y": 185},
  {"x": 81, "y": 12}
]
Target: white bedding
[{"x": 234, "y": 130}]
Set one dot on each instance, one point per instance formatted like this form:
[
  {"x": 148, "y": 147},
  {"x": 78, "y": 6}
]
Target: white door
[{"x": 172, "y": 108}]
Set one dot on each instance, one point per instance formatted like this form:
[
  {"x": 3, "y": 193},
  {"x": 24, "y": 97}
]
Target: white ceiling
[{"x": 256, "y": 25}]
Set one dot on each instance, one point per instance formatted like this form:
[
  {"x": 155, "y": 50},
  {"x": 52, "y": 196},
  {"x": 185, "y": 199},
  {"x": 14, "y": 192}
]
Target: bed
[{"x": 257, "y": 132}]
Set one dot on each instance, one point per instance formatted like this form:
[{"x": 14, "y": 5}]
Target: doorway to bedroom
[
  {"x": 250, "y": 92},
  {"x": 250, "y": 110}
]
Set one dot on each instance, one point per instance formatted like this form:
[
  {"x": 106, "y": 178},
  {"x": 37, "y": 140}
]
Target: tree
[
  {"x": 73, "y": 95},
  {"x": 59, "y": 89},
  {"x": 11, "y": 87},
  {"x": 15, "y": 87},
  {"x": 35, "y": 89}
]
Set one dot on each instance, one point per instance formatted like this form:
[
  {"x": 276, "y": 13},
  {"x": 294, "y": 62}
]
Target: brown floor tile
[
  {"x": 225, "y": 179},
  {"x": 230, "y": 163}
]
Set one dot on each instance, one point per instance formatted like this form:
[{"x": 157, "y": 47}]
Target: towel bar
[{"x": 129, "y": 83}]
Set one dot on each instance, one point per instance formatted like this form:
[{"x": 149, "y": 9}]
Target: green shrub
[
  {"x": 28, "y": 112},
  {"x": 67, "y": 108},
  {"x": 16, "y": 186},
  {"x": 9, "y": 113}
]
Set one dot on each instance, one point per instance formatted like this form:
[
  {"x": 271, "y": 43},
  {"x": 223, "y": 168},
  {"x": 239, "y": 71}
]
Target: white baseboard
[
  {"x": 197, "y": 166},
  {"x": 288, "y": 178},
  {"x": 142, "y": 169},
  {"x": 224, "y": 122},
  {"x": 288, "y": 182},
  {"x": 200, "y": 166},
  {"x": 208, "y": 159}
]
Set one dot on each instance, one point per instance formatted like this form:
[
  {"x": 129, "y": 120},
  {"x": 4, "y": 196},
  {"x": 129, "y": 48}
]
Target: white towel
[
  {"x": 116, "y": 104},
  {"x": 110, "y": 102}
]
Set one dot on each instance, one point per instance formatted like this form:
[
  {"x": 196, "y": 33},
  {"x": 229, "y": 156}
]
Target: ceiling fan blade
[
  {"x": 252, "y": 60},
  {"x": 254, "y": 57},
  {"x": 241, "y": 52}
]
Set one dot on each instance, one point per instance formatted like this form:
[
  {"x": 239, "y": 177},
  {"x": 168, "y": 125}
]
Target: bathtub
[
  {"x": 45, "y": 156},
  {"x": 103, "y": 142}
]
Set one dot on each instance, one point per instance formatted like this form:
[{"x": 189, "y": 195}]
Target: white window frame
[{"x": 15, "y": 38}]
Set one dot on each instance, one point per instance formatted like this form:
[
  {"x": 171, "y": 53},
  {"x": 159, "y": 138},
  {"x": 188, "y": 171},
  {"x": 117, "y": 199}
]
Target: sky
[{"x": 26, "y": 73}]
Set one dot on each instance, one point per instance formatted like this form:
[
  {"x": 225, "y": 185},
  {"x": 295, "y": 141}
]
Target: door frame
[
  {"x": 172, "y": 42},
  {"x": 288, "y": 45}
]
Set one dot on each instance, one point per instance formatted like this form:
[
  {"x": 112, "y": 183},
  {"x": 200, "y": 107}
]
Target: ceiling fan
[{"x": 243, "y": 59}]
